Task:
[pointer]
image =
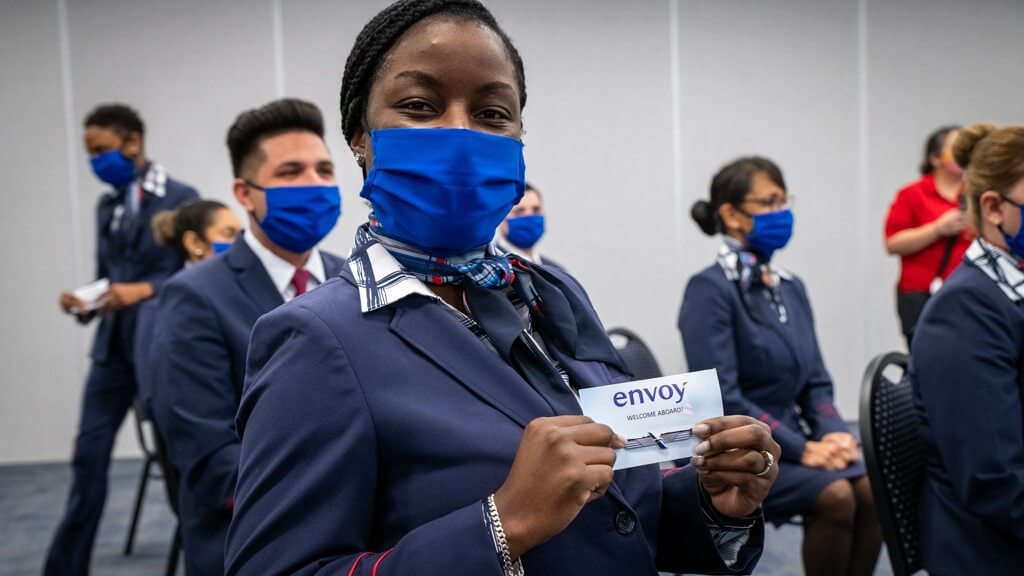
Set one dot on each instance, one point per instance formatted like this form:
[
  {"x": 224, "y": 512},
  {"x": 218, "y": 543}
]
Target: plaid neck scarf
[
  {"x": 491, "y": 271},
  {"x": 748, "y": 272},
  {"x": 1002, "y": 267}
]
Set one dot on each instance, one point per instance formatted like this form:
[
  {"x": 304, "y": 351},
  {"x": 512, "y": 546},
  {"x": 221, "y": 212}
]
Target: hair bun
[
  {"x": 968, "y": 140},
  {"x": 704, "y": 216},
  {"x": 164, "y": 227}
]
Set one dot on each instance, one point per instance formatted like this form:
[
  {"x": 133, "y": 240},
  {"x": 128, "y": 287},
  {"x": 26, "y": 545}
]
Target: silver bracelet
[{"x": 501, "y": 543}]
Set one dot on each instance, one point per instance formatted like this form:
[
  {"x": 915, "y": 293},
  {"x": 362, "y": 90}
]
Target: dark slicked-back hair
[
  {"x": 118, "y": 117},
  {"x": 169, "y": 227},
  {"x": 254, "y": 126},
  {"x": 730, "y": 186},
  {"x": 384, "y": 30}
]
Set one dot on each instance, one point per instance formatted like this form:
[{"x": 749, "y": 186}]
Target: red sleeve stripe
[
  {"x": 379, "y": 560},
  {"x": 357, "y": 561},
  {"x": 669, "y": 471},
  {"x": 827, "y": 409}
]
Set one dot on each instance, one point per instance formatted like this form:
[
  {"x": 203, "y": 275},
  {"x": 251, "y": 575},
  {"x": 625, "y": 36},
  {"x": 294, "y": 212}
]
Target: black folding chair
[
  {"x": 148, "y": 473},
  {"x": 638, "y": 357},
  {"x": 894, "y": 454},
  {"x": 171, "y": 483},
  {"x": 155, "y": 454}
]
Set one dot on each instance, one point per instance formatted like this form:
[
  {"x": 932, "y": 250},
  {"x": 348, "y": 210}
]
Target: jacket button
[{"x": 624, "y": 522}]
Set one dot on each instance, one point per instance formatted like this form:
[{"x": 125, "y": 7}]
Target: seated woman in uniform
[
  {"x": 752, "y": 321},
  {"x": 195, "y": 231},
  {"x": 418, "y": 414},
  {"x": 967, "y": 368}
]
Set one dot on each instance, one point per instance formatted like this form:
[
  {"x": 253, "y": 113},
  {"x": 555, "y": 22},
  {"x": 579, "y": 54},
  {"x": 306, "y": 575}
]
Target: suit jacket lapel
[
  {"x": 253, "y": 277},
  {"x": 430, "y": 329},
  {"x": 332, "y": 265}
]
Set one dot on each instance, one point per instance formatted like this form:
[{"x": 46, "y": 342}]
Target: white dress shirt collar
[{"x": 281, "y": 271}]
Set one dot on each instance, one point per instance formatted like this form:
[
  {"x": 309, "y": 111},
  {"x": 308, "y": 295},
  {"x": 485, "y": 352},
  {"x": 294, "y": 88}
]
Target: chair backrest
[
  {"x": 895, "y": 457},
  {"x": 638, "y": 357}
]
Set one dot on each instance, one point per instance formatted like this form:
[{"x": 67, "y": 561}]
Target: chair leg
[
  {"x": 172, "y": 557},
  {"x": 140, "y": 495}
]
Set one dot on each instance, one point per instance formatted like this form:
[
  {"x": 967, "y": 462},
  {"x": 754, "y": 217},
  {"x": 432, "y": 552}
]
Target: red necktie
[{"x": 300, "y": 280}]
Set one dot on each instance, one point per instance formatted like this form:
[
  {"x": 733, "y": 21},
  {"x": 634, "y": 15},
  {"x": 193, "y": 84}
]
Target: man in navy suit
[
  {"x": 136, "y": 267},
  {"x": 284, "y": 178},
  {"x": 523, "y": 228}
]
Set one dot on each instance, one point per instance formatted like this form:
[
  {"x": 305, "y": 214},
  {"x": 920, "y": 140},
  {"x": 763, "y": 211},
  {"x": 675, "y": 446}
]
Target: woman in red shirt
[{"x": 926, "y": 228}]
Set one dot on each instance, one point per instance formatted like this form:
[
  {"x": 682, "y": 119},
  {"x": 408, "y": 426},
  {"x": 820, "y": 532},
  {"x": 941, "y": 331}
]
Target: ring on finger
[{"x": 769, "y": 462}]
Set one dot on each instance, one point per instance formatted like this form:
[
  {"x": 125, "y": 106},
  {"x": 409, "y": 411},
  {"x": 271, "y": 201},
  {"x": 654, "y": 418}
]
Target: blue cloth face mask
[
  {"x": 772, "y": 232},
  {"x": 525, "y": 231},
  {"x": 220, "y": 247},
  {"x": 443, "y": 190},
  {"x": 114, "y": 168},
  {"x": 298, "y": 217},
  {"x": 1016, "y": 242}
]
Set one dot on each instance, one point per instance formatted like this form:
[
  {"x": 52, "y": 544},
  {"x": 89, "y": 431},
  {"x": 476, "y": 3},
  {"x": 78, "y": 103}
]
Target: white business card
[
  {"x": 655, "y": 416},
  {"x": 92, "y": 294}
]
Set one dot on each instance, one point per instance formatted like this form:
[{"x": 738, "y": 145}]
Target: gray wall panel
[
  {"x": 624, "y": 131},
  {"x": 929, "y": 63},
  {"x": 779, "y": 79},
  {"x": 318, "y": 35},
  {"x": 598, "y": 146},
  {"x": 40, "y": 362}
]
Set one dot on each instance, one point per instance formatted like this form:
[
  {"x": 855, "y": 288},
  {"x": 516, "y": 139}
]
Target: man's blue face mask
[
  {"x": 299, "y": 217},
  {"x": 114, "y": 168},
  {"x": 525, "y": 231},
  {"x": 443, "y": 190}
]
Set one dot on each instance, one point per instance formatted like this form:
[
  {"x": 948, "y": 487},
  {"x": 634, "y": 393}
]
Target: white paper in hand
[
  {"x": 655, "y": 416},
  {"x": 91, "y": 294}
]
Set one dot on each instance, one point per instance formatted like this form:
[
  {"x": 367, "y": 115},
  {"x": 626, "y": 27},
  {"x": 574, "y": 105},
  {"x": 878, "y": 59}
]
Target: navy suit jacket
[
  {"x": 206, "y": 316},
  {"x": 967, "y": 369},
  {"x": 145, "y": 331},
  {"x": 369, "y": 442},
  {"x": 130, "y": 254},
  {"x": 767, "y": 369}
]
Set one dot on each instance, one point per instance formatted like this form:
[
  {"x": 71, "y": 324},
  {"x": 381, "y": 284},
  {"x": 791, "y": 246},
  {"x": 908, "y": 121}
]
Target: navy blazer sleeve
[
  {"x": 965, "y": 357},
  {"x": 194, "y": 397},
  {"x": 684, "y": 541},
  {"x": 709, "y": 339},
  {"x": 817, "y": 403},
  {"x": 307, "y": 478}
]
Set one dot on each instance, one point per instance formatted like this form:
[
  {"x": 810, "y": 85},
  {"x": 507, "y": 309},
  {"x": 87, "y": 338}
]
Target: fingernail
[
  {"x": 697, "y": 460},
  {"x": 701, "y": 430},
  {"x": 702, "y": 448}
]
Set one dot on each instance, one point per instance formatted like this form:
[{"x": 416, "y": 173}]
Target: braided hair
[{"x": 384, "y": 30}]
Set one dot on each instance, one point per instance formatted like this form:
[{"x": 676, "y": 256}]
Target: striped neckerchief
[
  {"x": 743, "y": 267},
  {"x": 382, "y": 281},
  {"x": 1000, "y": 266},
  {"x": 153, "y": 181}
]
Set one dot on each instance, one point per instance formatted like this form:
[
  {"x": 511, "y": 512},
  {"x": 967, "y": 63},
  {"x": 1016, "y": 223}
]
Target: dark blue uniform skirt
[{"x": 798, "y": 486}]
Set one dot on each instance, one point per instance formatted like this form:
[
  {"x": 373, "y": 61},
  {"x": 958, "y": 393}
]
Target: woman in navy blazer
[
  {"x": 967, "y": 368},
  {"x": 418, "y": 414},
  {"x": 752, "y": 321},
  {"x": 196, "y": 231}
]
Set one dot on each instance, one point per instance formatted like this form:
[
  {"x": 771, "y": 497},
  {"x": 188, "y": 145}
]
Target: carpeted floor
[{"x": 32, "y": 498}]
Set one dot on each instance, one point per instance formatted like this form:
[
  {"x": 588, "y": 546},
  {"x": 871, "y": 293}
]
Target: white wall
[{"x": 633, "y": 106}]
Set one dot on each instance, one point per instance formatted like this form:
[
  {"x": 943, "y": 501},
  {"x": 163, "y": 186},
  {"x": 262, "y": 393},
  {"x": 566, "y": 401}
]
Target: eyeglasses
[{"x": 773, "y": 203}]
